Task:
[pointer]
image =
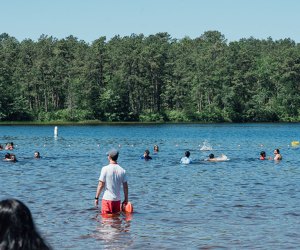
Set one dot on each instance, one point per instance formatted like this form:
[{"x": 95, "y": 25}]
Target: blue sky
[{"x": 90, "y": 19}]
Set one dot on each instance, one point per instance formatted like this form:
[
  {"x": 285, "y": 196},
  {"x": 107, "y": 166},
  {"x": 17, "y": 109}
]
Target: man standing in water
[{"x": 111, "y": 178}]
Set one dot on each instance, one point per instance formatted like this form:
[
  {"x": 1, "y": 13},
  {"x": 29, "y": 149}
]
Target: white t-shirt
[
  {"x": 113, "y": 176},
  {"x": 185, "y": 160}
]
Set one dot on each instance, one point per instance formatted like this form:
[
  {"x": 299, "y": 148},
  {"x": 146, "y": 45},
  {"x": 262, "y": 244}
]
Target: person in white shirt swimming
[{"x": 186, "y": 159}]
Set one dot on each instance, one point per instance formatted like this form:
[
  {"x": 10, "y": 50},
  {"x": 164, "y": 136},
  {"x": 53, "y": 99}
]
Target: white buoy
[{"x": 55, "y": 131}]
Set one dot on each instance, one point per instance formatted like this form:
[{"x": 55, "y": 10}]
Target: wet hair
[
  {"x": 17, "y": 229},
  {"x": 277, "y": 150},
  {"x": 38, "y": 154},
  {"x": 147, "y": 152},
  {"x": 13, "y": 156},
  {"x": 187, "y": 153},
  {"x": 156, "y": 148},
  {"x": 211, "y": 156},
  {"x": 263, "y": 153},
  {"x": 7, "y": 156}
]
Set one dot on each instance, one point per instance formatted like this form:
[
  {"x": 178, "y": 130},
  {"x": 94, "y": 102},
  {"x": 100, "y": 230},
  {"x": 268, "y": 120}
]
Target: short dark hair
[
  {"x": 211, "y": 156},
  {"x": 187, "y": 153},
  {"x": 113, "y": 154},
  {"x": 115, "y": 157}
]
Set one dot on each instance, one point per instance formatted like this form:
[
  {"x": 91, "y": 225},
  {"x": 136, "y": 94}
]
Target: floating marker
[{"x": 55, "y": 131}]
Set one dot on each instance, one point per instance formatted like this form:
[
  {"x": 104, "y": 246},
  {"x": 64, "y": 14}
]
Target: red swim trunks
[{"x": 110, "y": 207}]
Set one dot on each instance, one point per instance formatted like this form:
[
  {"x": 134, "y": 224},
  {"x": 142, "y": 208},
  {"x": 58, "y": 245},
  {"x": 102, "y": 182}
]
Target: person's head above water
[
  {"x": 37, "y": 154},
  {"x": 187, "y": 153},
  {"x": 147, "y": 152},
  {"x": 262, "y": 155},
  {"x": 211, "y": 156},
  {"x": 13, "y": 157},
  {"x": 155, "y": 148}
]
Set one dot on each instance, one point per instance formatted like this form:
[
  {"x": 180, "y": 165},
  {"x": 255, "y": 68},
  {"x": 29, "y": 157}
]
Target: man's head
[
  {"x": 147, "y": 152},
  {"x": 187, "y": 153},
  {"x": 113, "y": 154},
  {"x": 211, "y": 156}
]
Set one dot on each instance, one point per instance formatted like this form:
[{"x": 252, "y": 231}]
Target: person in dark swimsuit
[{"x": 146, "y": 155}]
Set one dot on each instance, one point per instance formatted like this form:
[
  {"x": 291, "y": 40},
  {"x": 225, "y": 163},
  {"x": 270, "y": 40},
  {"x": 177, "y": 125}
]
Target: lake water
[{"x": 243, "y": 203}]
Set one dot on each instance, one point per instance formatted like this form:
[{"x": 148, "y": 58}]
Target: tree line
[{"x": 149, "y": 78}]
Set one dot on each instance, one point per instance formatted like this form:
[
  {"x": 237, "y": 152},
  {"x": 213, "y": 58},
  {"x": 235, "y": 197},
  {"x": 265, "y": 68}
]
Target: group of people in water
[
  {"x": 187, "y": 160},
  {"x": 12, "y": 157},
  {"x": 8, "y": 146},
  {"x": 277, "y": 155},
  {"x": 211, "y": 157},
  {"x": 146, "y": 156},
  {"x": 17, "y": 227}
]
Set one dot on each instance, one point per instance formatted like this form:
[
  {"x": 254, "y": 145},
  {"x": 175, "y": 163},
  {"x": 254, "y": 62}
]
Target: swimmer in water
[
  {"x": 277, "y": 154},
  {"x": 9, "y": 146},
  {"x": 37, "y": 155},
  {"x": 186, "y": 159},
  {"x": 10, "y": 157},
  {"x": 155, "y": 149},
  {"x": 7, "y": 157},
  {"x": 212, "y": 157},
  {"x": 146, "y": 155},
  {"x": 262, "y": 155}
]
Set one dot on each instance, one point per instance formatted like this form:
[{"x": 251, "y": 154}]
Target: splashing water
[{"x": 206, "y": 146}]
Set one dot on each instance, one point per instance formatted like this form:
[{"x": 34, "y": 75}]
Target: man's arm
[
  {"x": 125, "y": 188},
  {"x": 100, "y": 187}
]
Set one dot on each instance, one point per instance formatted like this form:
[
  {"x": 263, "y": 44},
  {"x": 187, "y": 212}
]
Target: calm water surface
[{"x": 243, "y": 203}]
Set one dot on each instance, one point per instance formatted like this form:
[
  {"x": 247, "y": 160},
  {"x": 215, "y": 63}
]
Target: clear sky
[{"x": 90, "y": 19}]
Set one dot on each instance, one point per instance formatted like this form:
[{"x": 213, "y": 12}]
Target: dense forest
[{"x": 150, "y": 78}]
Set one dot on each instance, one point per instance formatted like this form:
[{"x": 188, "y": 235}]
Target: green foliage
[
  {"x": 150, "y": 79},
  {"x": 65, "y": 115},
  {"x": 210, "y": 115},
  {"x": 177, "y": 116},
  {"x": 151, "y": 117}
]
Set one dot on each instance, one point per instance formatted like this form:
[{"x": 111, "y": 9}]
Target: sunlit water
[{"x": 243, "y": 203}]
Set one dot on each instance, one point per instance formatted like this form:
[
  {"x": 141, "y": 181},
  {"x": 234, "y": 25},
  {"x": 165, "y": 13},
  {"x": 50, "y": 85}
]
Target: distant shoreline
[{"x": 96, "y": 123}]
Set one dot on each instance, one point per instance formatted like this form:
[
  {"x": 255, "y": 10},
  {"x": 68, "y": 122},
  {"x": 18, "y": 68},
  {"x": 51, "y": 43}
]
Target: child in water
[
  {"x": 186, "y": 159},
  {"x": 10, "y": 157},
  {"x": 262, "y": 155},
  {"x": 9, "y": 146},
  {"x": 146, "y": 155},
  {"x": 37, "y": 155}
]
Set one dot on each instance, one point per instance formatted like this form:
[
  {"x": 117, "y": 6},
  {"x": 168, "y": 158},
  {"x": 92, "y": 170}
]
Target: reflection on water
[
  {"x": 240, "y": 203},
  {"x": 114, "y": 231}
]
